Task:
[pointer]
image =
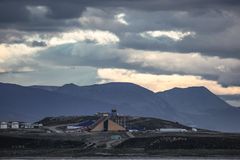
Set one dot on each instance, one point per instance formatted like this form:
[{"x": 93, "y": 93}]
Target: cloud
[
  {"x": 113, "y": 20},
  {"x": 206, "y": 30},
  {"x": 190, "y": 64},
  {"x": 100, "y": 37},
  {"x": 39, "y": 44},
  {"x": 20, "y": 64},
  {"x": 82, "y": 54},
  {"x": 120, "y": 18},
  {"x": 230, "y": 79},
  {"x": 15, "y": 50},
  {"x": 174, "y": 35},
  {"x": 52, "y": 75},
  {"x": 215, "y": 44},
  {"x": 233, "y": 100},
  {"x": 37, "y": 11},
  {"x": 51, "y": 39},
  {"x": 17, "y": 58},
  {"x": 18, "y": 55},
  {"x": 235, "y": 103},
  {"x": 215, "y": 24},
  {"x": 223, "y": 71}
]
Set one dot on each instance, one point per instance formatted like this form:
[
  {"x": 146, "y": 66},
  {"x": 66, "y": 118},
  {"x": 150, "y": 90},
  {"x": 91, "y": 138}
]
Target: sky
[{"x": 158, "y": 44}]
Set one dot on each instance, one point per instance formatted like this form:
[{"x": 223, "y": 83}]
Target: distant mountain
[
  {"x": 126, "y": 97},
  {"x": 48, "y": 88},
  {"x": 198, "y": 106},
  {"x": 35, "y": 102},
  {"x": 191, "y": 106},
  {"x": 31, "y": 104}
]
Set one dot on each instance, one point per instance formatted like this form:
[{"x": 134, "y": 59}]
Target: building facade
[
  {"x": 3, "y": 125},
  {"x": 14, "y": 125},
  {"x": 106, "y": 124}
]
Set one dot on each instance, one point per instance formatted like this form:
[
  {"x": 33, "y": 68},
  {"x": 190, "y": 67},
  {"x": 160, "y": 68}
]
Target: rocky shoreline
[{"x": 58, "y": 145}]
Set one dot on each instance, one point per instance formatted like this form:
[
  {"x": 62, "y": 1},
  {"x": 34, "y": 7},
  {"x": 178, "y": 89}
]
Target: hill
[
  {"x": 201, "y": 107},
  {"x": 147, "y": 123}
]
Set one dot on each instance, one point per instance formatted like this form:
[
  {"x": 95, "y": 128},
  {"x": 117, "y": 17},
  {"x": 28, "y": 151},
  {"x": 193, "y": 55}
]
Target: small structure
[
  {"x": 103, "y": 114},
  {"x": 3, "y": 125},
  {"x": 14, "y": 125},
  {"x": 172, "y": 130},
  {"x": 114, "y": 113}
]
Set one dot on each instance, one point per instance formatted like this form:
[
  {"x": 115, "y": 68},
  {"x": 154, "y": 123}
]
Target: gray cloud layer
[
  {"x": 110, "y": 56},
  {"x": 216, "y": 25}
]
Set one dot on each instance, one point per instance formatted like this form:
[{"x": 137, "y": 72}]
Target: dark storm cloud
[
  {"x": 15, "y": 12},
  {"x": 230, "y": 79},
  {"x": 216, "y": 23},
  {"x": 17, "y": 15},
  {"x": 38, "y": 44},
  {"x": 213, "y": 45},
  {"x": 216, "y": 33}
]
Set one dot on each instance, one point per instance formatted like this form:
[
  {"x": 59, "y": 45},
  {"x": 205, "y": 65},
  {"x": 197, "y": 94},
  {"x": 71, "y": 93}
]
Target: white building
[
  {"x": 172, "y": 130},
  {"x": 3, "y": 125},
  {"x": 14, "y": 125}
]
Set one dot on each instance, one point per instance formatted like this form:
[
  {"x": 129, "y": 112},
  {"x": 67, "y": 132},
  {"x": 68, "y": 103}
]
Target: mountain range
[{"x": 193, "y": 106}]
